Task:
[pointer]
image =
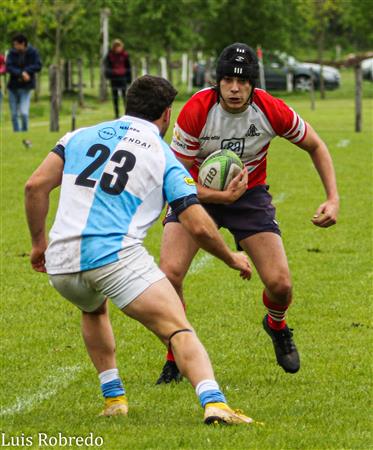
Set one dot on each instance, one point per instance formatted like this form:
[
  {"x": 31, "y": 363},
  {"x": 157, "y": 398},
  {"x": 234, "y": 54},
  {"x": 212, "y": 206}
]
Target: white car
[{"x": 367, "y": 67}]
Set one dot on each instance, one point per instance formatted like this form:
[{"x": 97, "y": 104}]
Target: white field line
[
  {"x": 54, "y": 383},
  {"x": 279, "y": 198},
  {"x": 343, "y": 143},
  {"x": 197, "y": 265}
]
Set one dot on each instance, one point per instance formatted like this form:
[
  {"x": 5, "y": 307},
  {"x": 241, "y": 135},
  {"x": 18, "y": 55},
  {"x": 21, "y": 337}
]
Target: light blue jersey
[{"x": 117, "y": 176}]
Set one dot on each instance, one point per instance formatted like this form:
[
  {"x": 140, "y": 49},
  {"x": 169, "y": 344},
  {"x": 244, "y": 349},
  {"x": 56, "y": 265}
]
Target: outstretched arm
[
  {"x": 45, "y": 178},
  {"x": 326, "y": 214}
]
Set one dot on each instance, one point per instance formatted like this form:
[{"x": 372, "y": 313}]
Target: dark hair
[
  {"x": 238, "y": 60},
  {"x": 20, "y": 38},
  {"x": 149, "y": 96}
]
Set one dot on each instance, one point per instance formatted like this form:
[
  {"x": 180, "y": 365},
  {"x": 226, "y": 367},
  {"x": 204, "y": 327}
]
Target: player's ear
[{"x": 167, "y": 113}]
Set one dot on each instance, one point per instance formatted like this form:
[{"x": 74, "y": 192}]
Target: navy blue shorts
[{"x": 252, "y": 213}]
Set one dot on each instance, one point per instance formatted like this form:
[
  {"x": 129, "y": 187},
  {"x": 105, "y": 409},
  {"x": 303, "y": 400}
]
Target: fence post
[
  {"x": 184, "y": 68},
  {"x": 73, "y": 116},
  {"x": 54, "y": 100},
  {"x": 358, "y": 96},
  {"x": 80, "y": 82},
  {"x": 312, "y": 90}
]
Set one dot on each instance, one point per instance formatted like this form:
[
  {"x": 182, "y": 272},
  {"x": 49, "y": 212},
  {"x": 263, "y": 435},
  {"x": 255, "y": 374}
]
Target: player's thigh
[
  {"x": 178, "y": 249},
  {"x": 267, "y": 253},
  {"x": 74, "y": 288},
  {"x": 124, "y": 280},
  {"x": 159, "y": 309}
]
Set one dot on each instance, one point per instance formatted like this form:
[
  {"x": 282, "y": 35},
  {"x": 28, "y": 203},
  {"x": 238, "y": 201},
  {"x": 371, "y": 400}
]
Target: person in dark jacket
[
  {"x": 22, "y": 63},
  {"x": 118, "y": 71}
]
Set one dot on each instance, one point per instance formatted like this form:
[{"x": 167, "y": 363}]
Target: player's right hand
[
  {"x": 241, "y": 262},
  {"x": 237, "y": 187},
  {"x": 37, "y": 259}
]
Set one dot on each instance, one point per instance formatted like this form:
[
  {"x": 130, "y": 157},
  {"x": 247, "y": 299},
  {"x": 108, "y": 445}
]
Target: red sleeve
[
  {"x": 191, "y": 121},
  {"x": 283, "y": 119}
]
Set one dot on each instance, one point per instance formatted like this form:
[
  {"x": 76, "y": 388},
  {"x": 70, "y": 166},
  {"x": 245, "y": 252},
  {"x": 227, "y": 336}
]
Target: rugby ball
[{"x": 219, "y": 169}]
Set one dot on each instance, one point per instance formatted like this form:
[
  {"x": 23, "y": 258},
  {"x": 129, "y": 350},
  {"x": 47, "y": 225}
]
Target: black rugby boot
[
  {"x": 170, "y": 373},
  {"x": 286, "y": 352}
]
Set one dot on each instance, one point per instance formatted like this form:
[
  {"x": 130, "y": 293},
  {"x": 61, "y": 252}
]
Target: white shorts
[{"x": 121, "y": 281}]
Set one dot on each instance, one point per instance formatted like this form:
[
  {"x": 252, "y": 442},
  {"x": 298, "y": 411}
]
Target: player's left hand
[
  {"x": 37, "y": 258},
  {"x": 326, "y": 214}
]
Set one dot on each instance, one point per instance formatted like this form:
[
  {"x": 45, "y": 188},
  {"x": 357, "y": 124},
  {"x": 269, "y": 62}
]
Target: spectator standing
[
  {"x": 22, "y": 63},
  {"x": 118, "y": 71}
]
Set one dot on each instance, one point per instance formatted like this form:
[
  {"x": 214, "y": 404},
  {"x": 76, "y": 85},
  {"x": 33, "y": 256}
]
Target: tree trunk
[
  {"x": 54, "y": 101},
  {"x": 104, "y": 15},
  {"x": 91, "y": 73},
  {"x": 358, "y": 97},
  {"x": 57, "y": 57}
]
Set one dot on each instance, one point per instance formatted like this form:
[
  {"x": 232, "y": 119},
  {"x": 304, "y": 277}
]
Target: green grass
[{"x": 47, "y": 381}]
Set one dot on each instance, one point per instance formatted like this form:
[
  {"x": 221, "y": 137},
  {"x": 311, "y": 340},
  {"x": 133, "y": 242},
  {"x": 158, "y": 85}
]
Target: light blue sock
[
  {"x": 111, "y": 384},
  {"x": 208, "y": 391}
]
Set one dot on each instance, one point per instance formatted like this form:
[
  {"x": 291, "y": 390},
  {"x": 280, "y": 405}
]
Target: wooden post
[
  {"x": 134, "y": 69},
  {"x": 54, "y": 100},
  {"x": 163, "y": 67},
  {"x": 358, "y": 96},
  {"x": 312, "y": 90},
  {"x": 37, "y": 88},
  {"x": 104, "y": 20},
  {"x": 190, "y": 76},
  {"x": 91, "y": 73},
  {"x": 144, "y": 65},
  {"x": 73, "y": 116},
  {"x": 184, "y": 68},
  {"x": 80, "y": 82}
]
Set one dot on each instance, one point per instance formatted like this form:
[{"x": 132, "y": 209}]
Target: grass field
[{"x": 48, "y": 384}]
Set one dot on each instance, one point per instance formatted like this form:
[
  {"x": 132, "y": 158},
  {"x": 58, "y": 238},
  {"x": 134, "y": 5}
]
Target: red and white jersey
[{"x": 203, "y": 127}]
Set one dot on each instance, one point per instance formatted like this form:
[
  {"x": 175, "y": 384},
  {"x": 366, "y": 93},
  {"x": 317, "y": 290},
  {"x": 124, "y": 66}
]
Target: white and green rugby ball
[{"x": 219, "y": 169}]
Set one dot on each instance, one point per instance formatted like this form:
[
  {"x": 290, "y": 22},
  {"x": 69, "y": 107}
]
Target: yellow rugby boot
[
  {"x": 221, "y": 413},
  {"x": 115, "y": 406}
]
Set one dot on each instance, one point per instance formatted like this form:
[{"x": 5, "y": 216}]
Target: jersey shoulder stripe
[{"x": 283, "y": 119}]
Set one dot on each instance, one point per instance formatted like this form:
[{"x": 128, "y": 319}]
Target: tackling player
[
  {"x": 114, "y": 179},
  {"x": 238, "y": 116}
]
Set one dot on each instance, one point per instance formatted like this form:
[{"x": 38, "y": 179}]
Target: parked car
[
  {"x": 279, "y": 70},
  {"x": 367, "y": 67},
  {"x": 278, "y": 65}
]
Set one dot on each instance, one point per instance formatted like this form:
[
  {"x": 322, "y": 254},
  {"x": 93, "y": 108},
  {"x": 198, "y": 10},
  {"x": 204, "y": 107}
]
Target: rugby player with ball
[{"x": 237, "y": 116}]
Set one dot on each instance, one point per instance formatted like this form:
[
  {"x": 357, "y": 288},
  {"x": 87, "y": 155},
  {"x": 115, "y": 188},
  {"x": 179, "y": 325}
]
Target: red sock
[
  {"x": 276, "y": 313},
  {"x": 170, "y": 355}
]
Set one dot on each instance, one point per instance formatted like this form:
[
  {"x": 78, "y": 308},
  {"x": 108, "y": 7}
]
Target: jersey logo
[
  {"x": 240, "y": 59},
  {"x": 107, "y": 133},
  {"x": 189, "y": 181},
  {"x": 236, "y": 145},
  {"x": 252, "y": 131}
]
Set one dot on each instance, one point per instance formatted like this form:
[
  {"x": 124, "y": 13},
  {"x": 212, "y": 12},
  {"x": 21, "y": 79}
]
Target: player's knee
[
  {"x": 281, "y": 289},
  {"x": 175, "y": 276},
  {"x": 99, "y": 311}
]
